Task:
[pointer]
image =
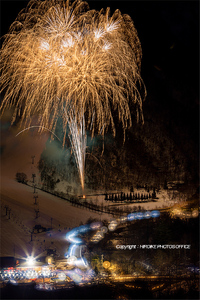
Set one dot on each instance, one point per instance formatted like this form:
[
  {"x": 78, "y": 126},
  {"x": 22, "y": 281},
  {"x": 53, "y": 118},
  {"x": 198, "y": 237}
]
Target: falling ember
[{"x": 59, "y": 54}]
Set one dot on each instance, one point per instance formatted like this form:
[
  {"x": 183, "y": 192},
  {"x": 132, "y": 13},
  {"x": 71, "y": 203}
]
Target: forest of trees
[{"x": 146, "y": 157}]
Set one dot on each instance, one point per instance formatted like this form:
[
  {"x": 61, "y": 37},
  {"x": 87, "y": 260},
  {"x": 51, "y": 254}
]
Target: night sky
[{"x": 169, "y": 35}]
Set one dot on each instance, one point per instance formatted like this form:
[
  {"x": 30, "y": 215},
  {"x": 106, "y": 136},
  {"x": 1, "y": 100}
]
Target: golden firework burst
[{"x": 60, "y": 56}]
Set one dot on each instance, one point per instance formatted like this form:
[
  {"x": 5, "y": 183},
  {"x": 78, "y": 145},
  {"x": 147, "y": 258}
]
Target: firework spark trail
[
  {"x": 59, "y": 53},
  {"x": 78, "y": 139},
  {"x": 38, "y": 127}
]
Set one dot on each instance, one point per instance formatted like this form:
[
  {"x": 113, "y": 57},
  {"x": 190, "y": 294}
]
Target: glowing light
[
  {"x": 71, "y": 250},
  {"x": 95, "y": 225},
  {"x": 112, "y": 227},
  {"x": 112, "y": 26},
  {"x": 72, "y": 238},
  {"x": 98, "y": 33},
  {"x": 30, "y": 260},
  {"x": 71, "y": 260},
  {"x": 155, "y": 213},
  {"x": 44, "y": 45},
  {"x": 123, "y": 219},
  {"x": 45, "y": 271},
  {"x": 131, "y": 217},
  {"x": 140, "y": 215},
  {"x": 106, "y": 264},
  {"x": 180, "y": 213},
  {"x": 147, "y": 215},
  {"x": 13, "y": 281},
  {"x": 104, "y": 229},
  {"x": 62, "y": 276},
  {"x": 100, "y": 234},
  {"x": 49, "y": 261},
  {"x": 195, "y": 213},
  {"x": 74, "y": 276},
  {"x": 83, "y": 228},
  {"x": 107, "y": 46},
  {"x": 69, "y": 42}
]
